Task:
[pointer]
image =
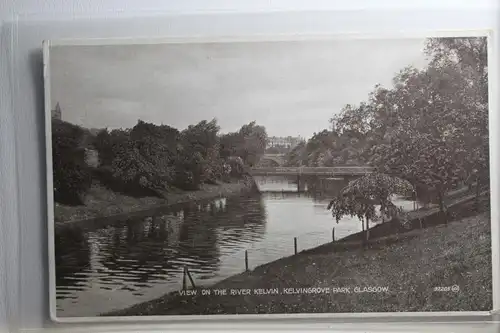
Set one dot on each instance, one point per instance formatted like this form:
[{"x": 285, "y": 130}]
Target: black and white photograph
[{"x": 306, "y": 176}]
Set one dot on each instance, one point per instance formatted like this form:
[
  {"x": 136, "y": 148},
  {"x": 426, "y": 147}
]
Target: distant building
[
  {"x": 56, "y": 113},
  {"x": 284, "y": 142}
]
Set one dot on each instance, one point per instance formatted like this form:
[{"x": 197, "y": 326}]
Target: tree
[
  {"x": 138, "y": 158},
  {"x": 470, "y": 54},
  {"x": 71, "y": 175},
  {"x": 353, "y": 119},
  {"x": 230, "y": 144},
  {"x": 131, "y": 168},
  {"x": 422, "y": 160},
  {"x": 360, "y": 197},
  {"x": 188, "y": 170},
  {"x": 201, "y": 137},
  {"x": 297, "y": 156},
  {"x": 199, "y": 155},
  {"x": 157, "y": 146},
  {"x": 468, "y": 57},
  {"x": 255, "y": 139},
  {"x": 430, "y": 128},
  {"x": 436, "y": 132},
  {"x": 107, "y": 142},
  {"x": 249, "y": 143},
  {"x": 213, "y": 166}
]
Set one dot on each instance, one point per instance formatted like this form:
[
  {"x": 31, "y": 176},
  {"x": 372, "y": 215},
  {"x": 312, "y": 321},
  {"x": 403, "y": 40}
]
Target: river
[{"x": 111, "y": 267}]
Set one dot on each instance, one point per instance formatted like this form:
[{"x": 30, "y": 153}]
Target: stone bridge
[{"x": 302, "y": 173}]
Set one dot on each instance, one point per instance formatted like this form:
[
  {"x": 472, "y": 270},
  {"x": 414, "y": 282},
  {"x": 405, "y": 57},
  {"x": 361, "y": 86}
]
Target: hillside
[{"x": 456, "y": 254}]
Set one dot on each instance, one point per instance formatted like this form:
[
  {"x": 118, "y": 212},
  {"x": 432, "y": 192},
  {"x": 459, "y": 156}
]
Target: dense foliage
[
  {"x": 249, "y": 143},
  {"x": 361, "y": 197},
  {"x": 152, "y": 159},
  {"x": 71, "y": 176},
  {"x": 430, "y": 128}
]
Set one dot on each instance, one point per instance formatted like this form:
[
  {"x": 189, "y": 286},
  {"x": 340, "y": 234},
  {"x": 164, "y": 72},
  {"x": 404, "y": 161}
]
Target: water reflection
[
  {"x": 138, "y": 253},
  {"x": 72, "y": 257},
  {"x": 108, "y": 267}
]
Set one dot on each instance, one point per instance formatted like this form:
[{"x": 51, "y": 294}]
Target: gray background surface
[{"x": 23, "y": 237}]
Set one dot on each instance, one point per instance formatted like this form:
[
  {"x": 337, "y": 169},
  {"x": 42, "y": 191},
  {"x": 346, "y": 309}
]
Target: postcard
[{"x": 311, "y": 176}]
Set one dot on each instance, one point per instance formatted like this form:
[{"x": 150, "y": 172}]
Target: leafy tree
[
  {"x": 255, "y": 139},
  {"x": 360, "y": 197},
  {"x": 107, "y": 142},
  {"x": 353, "y": 119},
  {"x": 71, "y": 175},
  {"x": 236, "y": 167},
  {"x": 188, "y": 170},
  {"x": 297, "y": 156},
  {"x": 199, "y": 156},
  {"x": 157, "y": 145},
  {"x": 134, "y": 170},
  {"x": 467, "y": 57},
  {"x": 249, "y": 143},
  {"x": 139, "y": 158},
  {"x": 470, "y": 54},
  {"x": 213, "y": 166},
  {"x": 201, "y": 137},
  {"x": 430, "y": 128},
  {"x": 230, "y": 144},
  {"x": 438, "y": 128}
]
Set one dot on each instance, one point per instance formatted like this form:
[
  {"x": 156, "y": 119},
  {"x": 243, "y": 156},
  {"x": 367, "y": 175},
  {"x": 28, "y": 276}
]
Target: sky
[{"x": 291, "y": 87}]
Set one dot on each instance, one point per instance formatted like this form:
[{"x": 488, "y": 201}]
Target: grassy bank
[
  {"x": 458, "y": 206},
  {"x": 458, "y": 253},
  {"x": 102, "y": 202}
]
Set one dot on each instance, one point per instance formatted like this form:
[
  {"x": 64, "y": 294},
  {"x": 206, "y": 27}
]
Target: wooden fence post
[
  {"x": 190, "y": 278},
  {"x": 246, "y": 260},
  {"x": 184, "y": 287},
  {"x": 295, "y": 244}
]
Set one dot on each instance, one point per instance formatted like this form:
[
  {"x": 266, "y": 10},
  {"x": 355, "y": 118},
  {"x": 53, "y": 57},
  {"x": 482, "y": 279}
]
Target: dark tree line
[
  {"x": 430, "y": 128},
  {"x": 151, "y": 159},
  {"x": 71, "y": 176}
]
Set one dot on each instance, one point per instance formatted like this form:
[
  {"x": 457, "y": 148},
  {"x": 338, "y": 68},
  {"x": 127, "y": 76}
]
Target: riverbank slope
[
  {"x": 458, "y": 206},
  {"x": 411, "y": 267},
  {"x": 101, "y": 202}
]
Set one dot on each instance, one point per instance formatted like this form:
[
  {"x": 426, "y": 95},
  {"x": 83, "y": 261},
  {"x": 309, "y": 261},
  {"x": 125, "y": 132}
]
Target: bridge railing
[{"x": 299, "y": 170}]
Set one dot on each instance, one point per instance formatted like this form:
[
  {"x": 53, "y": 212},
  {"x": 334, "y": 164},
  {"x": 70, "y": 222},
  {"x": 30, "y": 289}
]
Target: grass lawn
[{"x": 458, "y": 253}]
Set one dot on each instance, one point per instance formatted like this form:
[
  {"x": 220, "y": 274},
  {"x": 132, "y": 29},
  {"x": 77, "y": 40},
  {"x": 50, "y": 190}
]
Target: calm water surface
[{"x": 116, "y": 266}]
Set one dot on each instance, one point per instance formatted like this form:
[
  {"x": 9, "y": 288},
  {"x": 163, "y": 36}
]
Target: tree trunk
[
  {"x": 367, "y": 230},
  {"x": 443, "y": 214},
  {"x": 478, "y": 192},
  {"x": 441, "y": 201},
  {"x": 415, "y": 198}
]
